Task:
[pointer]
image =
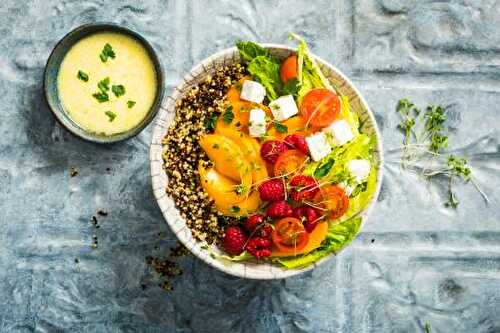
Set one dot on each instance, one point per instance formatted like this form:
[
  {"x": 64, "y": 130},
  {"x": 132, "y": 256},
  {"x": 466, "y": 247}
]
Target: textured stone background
[{"x": 427, "y": 264}]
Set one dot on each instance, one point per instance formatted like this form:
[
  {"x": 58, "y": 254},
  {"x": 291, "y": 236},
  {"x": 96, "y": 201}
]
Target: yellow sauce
[{"x": 132, "y": 67}]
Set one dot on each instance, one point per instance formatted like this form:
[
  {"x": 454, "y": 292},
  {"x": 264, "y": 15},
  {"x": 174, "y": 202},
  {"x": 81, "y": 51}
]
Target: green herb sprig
[
  {"x": 82, "y": 76},
  {"x": 228, "y": 115},
  {"x": 107, "y": 52},
  {"x": 430, "y": 144}
]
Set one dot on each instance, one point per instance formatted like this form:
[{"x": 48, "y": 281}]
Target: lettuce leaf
[
  {"x": 338, "y": 236},
  {"x": 263, "y": 67},
  {"x": 349, "y": 116},
  {"x": 242, "y": 257},
  {"x": 266, "y": 71}
]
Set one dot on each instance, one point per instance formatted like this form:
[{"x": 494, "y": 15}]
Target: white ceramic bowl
[{"x": 250, "y": 270}]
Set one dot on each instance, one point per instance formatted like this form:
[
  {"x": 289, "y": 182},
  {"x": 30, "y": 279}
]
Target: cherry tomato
[
  {"x": 320, "y": 107},
  {"x": 289, "y": 235},
  {"x": 289, "y": 68},
  {"x": 289, "y": 163},
  {"x": 333, "y": 199}
]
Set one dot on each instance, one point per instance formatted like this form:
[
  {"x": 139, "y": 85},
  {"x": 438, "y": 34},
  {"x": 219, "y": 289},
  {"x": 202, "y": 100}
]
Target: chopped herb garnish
[
  {"x": 107, "y": 52},
  {"x": 280, "y": 127},
  {"x": 118, "y": 90},
  {"x": 228, "y": 116},
  {"x": 82, "y": 76},
  {"x": 130, "y": 104},
  {"x": 111, "y": 115},
  {"x": 291, "y": 87},
  {"x": 240, "y": 189},
  {"x": 235, "y": 209},
  {"x": 101, "y": 97},
  {"x": 323, "y": 170},
  {"x": 215, "y": 146},
  {"x": 103, "y": 85},
  {"x": 210, "y": 122}
]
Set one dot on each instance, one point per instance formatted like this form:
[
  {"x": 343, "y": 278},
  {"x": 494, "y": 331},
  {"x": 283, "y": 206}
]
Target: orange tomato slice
[
  {"x": 288, "y": 68},
  {"x": 290, "y": 162},
  {"x": 333, "y": 199},
  {"x": 289, "y": 235}
]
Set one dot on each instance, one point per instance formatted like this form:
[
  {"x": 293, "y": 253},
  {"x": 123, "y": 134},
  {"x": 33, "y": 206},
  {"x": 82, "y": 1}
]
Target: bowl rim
[
  {"x": 156, "y": 165},
  {"x": 86, "y": 30}
]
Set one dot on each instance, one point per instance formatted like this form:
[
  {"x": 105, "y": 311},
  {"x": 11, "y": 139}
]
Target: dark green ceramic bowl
[{"x": 52, "y": 70}]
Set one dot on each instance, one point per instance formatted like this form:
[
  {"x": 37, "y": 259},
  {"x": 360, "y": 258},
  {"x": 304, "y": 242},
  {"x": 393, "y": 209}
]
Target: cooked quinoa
[{"x": 183, "y": 153}]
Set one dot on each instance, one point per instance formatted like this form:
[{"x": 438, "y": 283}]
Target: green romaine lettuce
[
  {"x": 338, "y": 236},
  {"x": 263, "y": 67}
]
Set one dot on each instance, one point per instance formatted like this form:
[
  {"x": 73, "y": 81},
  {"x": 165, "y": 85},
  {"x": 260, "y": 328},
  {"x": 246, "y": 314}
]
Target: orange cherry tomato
[
  {"x": 289, "y": 68},
  {"x": 333, "y": 199},
  {"x": 320, "y": 107},
  {"x": 289, "y": 235},
  {"x": 289, "y": 162}
]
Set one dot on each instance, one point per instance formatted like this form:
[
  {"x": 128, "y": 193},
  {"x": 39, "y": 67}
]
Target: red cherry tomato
[
  {"x": 320, "y": 107},
  {"x": 289, "y": 68},
  {"x": 333, "y": 199},
  {"x": 289, "y": 235}
]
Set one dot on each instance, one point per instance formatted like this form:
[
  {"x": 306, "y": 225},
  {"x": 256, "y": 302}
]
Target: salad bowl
[{"x": 211, "y": 254}]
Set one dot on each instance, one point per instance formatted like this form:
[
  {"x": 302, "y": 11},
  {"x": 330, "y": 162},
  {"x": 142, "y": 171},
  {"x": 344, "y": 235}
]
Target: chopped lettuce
[
  {"x": 263, "y": 67},
  {"x": 309, "y": 74},
  {"x": 349, "y": 116},
  {"x": 242, "y": 257},
  {"x": 338, "y": 236}
]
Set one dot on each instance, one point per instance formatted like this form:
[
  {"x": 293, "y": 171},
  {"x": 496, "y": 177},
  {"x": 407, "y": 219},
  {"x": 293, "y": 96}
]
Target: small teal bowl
[{"x": 52, "y": 70}]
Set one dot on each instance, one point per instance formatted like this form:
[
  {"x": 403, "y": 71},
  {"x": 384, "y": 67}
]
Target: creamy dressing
[{"x": 132, "y": 67}]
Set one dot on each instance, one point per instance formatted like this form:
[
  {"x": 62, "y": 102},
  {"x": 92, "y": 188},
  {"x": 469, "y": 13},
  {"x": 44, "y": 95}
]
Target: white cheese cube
[
  {"x": 252, "y": 91},
  {"x": 283, "y": 107},
  {"x": 340, "y": 132},
  {"x": 359, "y": 169},
  {"x": 318, "y": 146},
  {"x": 257, "y": 123}
]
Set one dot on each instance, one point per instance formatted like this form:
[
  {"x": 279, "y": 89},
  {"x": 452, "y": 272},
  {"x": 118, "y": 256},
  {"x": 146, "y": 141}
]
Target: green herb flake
[
  {"x": 235, "y": 209},
  {"x": 228, "y": 116},
  {"x": 82, "y": 76},
  {"x": 118, "y": 90},
  {"x": 281, "y": 128},
  {"x": 107, "y": 52},
  {"x": 103, "y": 85},
  {"x": 240, "y": 189},
  {"x": 111, "y": 115},
  {"x": 216, "y": 146},
  {"x": 427, "y": 328},
  {"x": 210, "y": 122},
  {"x": 323, "y": 170},
  {"x": 130, "y": 104},
  {"x": 101, "y": 97}
]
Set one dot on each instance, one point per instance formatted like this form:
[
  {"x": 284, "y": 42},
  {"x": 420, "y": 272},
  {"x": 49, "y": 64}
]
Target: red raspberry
[
  {"x": 297, "y": 141},
  {"x": 303, "y": 188},
  {"x": 259, "y": 247},
  {"x": 271, "y": 150},
  {"x": 279, "y": 209},
  {"x": 265, "y": 231},
  {"x": 253, "y": 222},
  {"x": 309, "y": 217},
  {"x": 272, "y": 190},
  {"x": 234, "y": 240}
]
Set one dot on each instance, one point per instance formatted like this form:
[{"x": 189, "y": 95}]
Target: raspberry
[
  {"x": 297, "y": 141},
  {"x": 253, "y": 222},
  {"x": 271, "y": 150},
  {"x": 265, "y": 231},
  {"x": 303, "y": 188},
  {"x": 272, "y": 190},
  {"x": 279, "y": 209},
  {"x": 234, "y": 240},
  {"x": 259, "y": 247},
  {"x": 309, "y": 217}
]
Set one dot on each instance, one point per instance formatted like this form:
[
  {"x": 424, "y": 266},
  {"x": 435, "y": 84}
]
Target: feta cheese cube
[
  {"x": 318, "y": 146},
  {"x": 283, "y": 107},
  {"x": 257, "y": 123},
  {"x": 340, "y": 132},
  {"x": 252, "y": 91},
  {"x": 359, "y": 169}
]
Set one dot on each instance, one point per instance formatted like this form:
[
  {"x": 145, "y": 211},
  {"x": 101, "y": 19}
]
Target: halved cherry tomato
[
  {"x": 320, "y": 107},
  {"x": 289, "y": 235},
  {"x": 333, "y": 199},
  {"x": 289, "y": 162},
  {"x": 289, "y": 68}
]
